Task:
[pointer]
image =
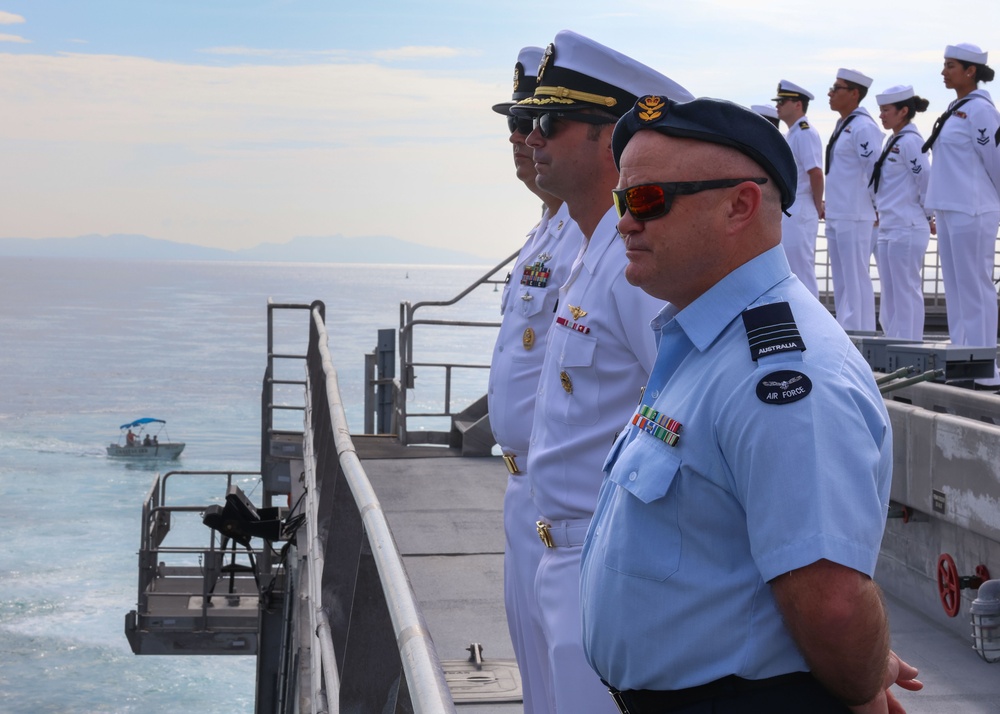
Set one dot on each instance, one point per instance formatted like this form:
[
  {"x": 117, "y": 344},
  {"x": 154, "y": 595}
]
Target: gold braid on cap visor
[{"x": 562, "y": 95}]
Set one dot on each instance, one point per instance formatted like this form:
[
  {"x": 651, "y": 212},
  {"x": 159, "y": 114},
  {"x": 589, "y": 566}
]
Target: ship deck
[{"x": 446, "y": 514}]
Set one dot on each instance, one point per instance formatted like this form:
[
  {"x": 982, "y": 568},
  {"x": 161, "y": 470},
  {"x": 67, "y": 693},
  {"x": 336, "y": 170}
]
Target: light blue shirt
[{"x": 686, "y": 537}]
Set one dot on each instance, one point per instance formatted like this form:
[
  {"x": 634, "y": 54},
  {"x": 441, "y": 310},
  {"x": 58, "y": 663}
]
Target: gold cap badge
[
  {"x": 651, "y": 108},
  {"x": 549, "y": 53}
]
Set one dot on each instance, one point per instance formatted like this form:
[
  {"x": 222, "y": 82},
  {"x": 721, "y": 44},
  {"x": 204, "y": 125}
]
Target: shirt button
[
  {"x": 500, "y": 348},
  {"x": 632, "y": 476}
]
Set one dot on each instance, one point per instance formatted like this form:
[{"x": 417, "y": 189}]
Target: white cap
[
  {"x": 765, "y": 110},
  {"x": 790, "y": 90},
  {"x": 524, "y": 77},
  {"x": 899, "y": 93},
  {"x": 853, "y": 75},
  {"x": 966, "y": 53},
  {"x": 578, "y": 73}
]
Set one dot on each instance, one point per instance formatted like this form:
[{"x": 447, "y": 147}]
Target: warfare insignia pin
[
  {"x": 528, "y": 338},
  {"x": 549, "y": 52},
  {"x": 650, "y": 108},
  {"x": 577, "y": 312},
  {"x": 783, "y": 387},
  {"x": 566, "y": 382}
]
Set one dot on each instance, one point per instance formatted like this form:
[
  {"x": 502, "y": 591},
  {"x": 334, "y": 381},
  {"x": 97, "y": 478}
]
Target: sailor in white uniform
[
  {"x": 964, "y": 194},
  {"x": 850, "y": 208},
  {"x": 800, "y": 224},
  {"x": 600, "y": 350},
  {"x": 899, "y": 181},
  {"x": 527, "y": 304}
]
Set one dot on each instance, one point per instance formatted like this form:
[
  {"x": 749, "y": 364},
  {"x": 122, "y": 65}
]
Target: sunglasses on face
[
  {"x": 652, "y": 200},
  {"x": 546, "y": 122},
  {"x": 519, "y": 125}
]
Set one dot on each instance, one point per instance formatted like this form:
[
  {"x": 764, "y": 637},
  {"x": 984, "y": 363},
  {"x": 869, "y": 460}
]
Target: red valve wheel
[{"x": 947, "y": 580}]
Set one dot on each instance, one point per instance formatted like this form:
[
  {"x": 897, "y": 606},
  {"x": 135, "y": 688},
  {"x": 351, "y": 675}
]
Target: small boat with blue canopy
[{"x": 139, "y": 439}]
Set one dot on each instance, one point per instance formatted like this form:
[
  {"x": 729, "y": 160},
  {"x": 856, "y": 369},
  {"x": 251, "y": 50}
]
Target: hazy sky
[{"x": 228, "y": 123}]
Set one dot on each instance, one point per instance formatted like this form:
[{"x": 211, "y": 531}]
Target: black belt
[{"x": 641, "y": 701}]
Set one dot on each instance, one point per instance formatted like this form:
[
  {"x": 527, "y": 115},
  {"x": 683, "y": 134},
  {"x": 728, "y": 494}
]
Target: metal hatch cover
[{"x": 475, "y": 680}]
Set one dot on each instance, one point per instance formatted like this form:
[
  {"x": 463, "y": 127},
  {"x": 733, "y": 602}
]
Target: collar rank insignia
[
  {"x": 803, "y": 124},
  {"x": 550, "y": 52},
  {"x": 656, "y": 424},
  {"x": 783, "y": 387},
  {"x": 771, "y": 330},
  {"x": 559, "y": 227},
  {"x": 577, "y": 312},
  {"x": 650, "y": 108}
]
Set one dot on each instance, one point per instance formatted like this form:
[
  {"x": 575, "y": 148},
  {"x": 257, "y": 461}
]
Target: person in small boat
[
  {"x": 156, "y": 440},
  {"x": 130, "y": 438},
  {"x": 147, "y": 441}
]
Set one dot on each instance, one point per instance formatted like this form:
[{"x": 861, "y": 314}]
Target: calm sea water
[{"x": 88, "y": 345}]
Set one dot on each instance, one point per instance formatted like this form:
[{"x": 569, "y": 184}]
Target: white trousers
[
  {"x": 798, "y": 239},
  {"x": 521, "y": 555},
  {"x": 575, "y": 687},
  {"x": 899, "y": 254},
  {"x": 851, "y": 244},
  {"x": 966, "y": 245}
]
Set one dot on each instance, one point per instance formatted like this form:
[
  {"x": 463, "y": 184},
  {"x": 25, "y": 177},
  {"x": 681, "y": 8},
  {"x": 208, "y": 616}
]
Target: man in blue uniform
[{"x": 728, "y": 564}]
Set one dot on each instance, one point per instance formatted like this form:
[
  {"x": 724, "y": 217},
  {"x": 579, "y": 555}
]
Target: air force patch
[{"x": 783, "y": 387}]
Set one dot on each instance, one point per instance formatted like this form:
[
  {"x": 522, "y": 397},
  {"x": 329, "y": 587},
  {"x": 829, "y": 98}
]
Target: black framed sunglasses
[
  {"x": 546, "y": 122},
  {"x": 519, "y": 125},
  {"x": 647, "y": 201}
]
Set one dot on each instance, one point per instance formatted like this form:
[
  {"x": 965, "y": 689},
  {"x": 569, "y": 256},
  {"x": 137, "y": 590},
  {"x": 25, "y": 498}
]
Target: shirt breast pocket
[
  {"x": 575, "y": 399},
  {"x": 643, "y": 539},
  {"x": 530, "y": 301}
]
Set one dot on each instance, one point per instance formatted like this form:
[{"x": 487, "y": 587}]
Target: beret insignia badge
[
  {"x": 549, "y": 53},
  {"x": 650, "y": 108}
]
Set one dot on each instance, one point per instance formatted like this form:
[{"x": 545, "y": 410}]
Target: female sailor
[
  {"x": 965, "y": 198},
  {"x": 899, "y": 181}
]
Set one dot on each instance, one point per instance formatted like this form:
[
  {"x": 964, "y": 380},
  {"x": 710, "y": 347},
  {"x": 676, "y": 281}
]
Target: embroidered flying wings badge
[{"x": 783, "y": 387}]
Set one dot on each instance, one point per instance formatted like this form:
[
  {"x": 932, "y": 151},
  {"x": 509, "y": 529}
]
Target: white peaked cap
[
  {"x": 790, "y": 90},
  {"x": 899, "y": 93},
  {"x": 853, "y": 75},
  {"x": 765, "y": 110},
  {"x": 966, "y": 53}
]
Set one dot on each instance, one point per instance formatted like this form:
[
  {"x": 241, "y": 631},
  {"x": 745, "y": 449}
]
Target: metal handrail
[
  {"x": 406, "y": 362},
  {"x": 424, "y": 676}
]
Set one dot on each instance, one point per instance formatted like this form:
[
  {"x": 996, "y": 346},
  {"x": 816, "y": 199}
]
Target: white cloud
[
  {"x": 9, "y": 18},
  {"x": 417, "y": 52},
  {"x": 14, "y": 38}
]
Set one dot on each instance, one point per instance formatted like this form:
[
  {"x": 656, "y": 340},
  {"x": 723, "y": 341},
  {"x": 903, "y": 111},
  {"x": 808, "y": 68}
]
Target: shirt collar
[{"x": 706, "y": 318}]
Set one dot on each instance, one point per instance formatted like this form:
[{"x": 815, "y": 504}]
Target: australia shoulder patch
[
  {"x": 783, "y": 387},
  {"x": 771, "y": 330}
]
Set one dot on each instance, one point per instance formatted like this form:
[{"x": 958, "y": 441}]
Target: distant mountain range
[{"x": 303, "y": 249}]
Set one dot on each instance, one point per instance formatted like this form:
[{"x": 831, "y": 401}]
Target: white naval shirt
[
  {"x": 527, "y": 308},
  {"x": 854, "y": 155},
  {"x": 807, "y": 148},
  {"x": 966, "y": 169},
  {"x": 597, "y": 360},
  {"x": 902, "y": 189}
]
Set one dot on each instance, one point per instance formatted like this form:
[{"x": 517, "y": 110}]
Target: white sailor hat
[
  {"x": 853, "y": 75},
  {"x": 578, "y": 73},
  {"x": 790, "y": 90},
  {"x": 966, "y": 52},
  {"x": 525, "y": 77},
  {"x": 899, "y": 93},
  {"x": 765, "y": 110}
]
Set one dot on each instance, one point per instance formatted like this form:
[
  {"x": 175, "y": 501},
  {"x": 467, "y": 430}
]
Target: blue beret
[{"x": 719, "y": 122}]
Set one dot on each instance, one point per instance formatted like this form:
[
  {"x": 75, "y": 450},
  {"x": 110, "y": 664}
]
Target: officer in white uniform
[
  {"x": 527, "y": 304},
  {"x": 600, "y": 350},
  {"x": 850, "y": 207},
  {"x": 899, "y": 181},
  {"x": 800, "y": 224},
  {"x": 964, "y": 194}
]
